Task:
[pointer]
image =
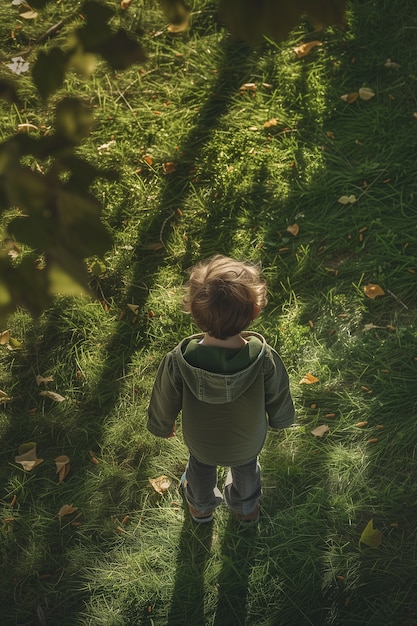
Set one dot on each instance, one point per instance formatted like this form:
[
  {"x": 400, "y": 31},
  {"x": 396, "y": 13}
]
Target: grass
[{"x": 129, "y": 556}]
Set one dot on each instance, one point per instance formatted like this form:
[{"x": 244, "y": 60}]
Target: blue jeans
[{"x": 242, "y": 488}]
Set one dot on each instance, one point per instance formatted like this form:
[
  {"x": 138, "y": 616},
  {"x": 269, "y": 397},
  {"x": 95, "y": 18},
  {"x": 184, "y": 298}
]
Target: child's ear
[{"x": 256, "y": 311}]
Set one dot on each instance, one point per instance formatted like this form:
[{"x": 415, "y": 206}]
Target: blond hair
[{"x": 224, "y": 295}]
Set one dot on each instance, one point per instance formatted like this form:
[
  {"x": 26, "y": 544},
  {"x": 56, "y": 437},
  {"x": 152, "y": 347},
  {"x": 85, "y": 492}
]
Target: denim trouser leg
[
  {"x": 242, "y": 489},
  {"x": 201, "y": 487}
]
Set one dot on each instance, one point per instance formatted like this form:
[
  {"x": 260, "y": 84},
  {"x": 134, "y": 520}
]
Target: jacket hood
[{"x": 220, "y": 388}]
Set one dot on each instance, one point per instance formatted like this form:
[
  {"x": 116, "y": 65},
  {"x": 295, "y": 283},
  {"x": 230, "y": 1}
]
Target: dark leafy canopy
[{"x": 56, "y": 215}]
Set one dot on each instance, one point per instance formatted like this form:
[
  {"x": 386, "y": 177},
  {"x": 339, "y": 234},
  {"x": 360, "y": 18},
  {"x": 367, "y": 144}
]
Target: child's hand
[{"x": 173, "y": 431}]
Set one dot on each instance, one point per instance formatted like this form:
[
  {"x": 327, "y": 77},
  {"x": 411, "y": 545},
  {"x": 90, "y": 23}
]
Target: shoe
[
  {"x": 249, "y": 517},
  {"x": 196, "y": 516}
]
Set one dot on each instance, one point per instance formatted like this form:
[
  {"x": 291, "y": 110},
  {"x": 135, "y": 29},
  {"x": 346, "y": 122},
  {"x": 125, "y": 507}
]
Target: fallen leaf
[
  {"x": 371, "y": 536},
  {"x": 135, "y": 308},
  {"x": 27, "y": 14},
  {"x": 306, "y": 48},
  {"x": 179, "y": 28},
  {"x": 160, "y": 484},
  {"x": 18, "y": 65},
  {"x": 372, "y": 291},
  {"x": 350, "y": 98},
  {"x": 169, "y": 167},
  {"x": 294, "y": 229},
  {"x": 53, "y": 395},
  {"x": 148, "y": 159},
  {"x": 62, "y": 467},
  {"x": 27, "y": 456},
  {"x": 248, "y": 87},
  {"x": 14, "y": 344},
  {"x": 371, "y": 326},
  {"x": 319, "y": 431},
  {"x": 45, "y": 380},
  {"x": 125, "y": 4},
  {"x": 365, "y": 93},
  {"x": 361, "y": 424},
  {"x": 308, "y": 379},
  {"x": 67, "y": 509},
  {"x": 4, "y": 337},
  {"x": 272, "y": 122},
  {"x": 4, "y": 397},
  {"x": 26, "y": 127},
  {"x": 347, "y": 199},
  {"x": 391, "y": 64}
]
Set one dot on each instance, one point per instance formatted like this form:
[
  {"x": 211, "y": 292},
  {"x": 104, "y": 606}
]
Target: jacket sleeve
[
  {"x": 166, "y": 398},
  {"x": 278, "y": 401}
]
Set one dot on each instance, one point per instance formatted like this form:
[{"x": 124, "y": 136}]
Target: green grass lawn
[{"x": 200, "y": 173}]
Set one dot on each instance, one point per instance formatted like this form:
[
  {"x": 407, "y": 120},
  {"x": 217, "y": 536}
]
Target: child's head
[{"x": 224, "y": 295}]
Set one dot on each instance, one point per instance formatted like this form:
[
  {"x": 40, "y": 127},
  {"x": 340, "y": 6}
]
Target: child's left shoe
[{"x": 196, "y": 516}]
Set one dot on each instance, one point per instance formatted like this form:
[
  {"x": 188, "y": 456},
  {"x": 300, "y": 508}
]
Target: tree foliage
[{"x": 55, "y": 214}]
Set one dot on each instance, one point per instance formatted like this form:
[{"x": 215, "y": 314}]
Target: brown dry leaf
[
  {"x": 169, "y": 167},
  {"x": 248, "y": 87},
  {"x": 62, "y": 467},
  {"x": 361, "y": 424},
  {"x": 372, "y": 291},
  {"x": 44, "y": 379},
  {"x": 319, "y": 431},
  {"x": 27, "y": 456},
  {"x": 272, "y": 122},
  {"x": 160, "y": 484},
  {"x": 308, "y": 379},
  {"x": 306, "y": 48},
  {"x": 366, "y": 93},
  {"x": 350, "y": 98},
  {"x": 125, "y": 4},
  {"x": 148, "y": 159},
  {"x": 53, "y": 395},
  {"x": 4, "y": 337},
  {"x": 294, "y": 229},
  {"x": 4, "y": 397},
  {"x": 67, "y": 509}
]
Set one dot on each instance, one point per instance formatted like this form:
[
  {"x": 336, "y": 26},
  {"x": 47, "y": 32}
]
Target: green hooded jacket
[{"x": 227, "y": 398}]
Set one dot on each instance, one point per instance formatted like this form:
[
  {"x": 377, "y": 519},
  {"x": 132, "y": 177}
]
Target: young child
[{"x": 224, "y": 381}]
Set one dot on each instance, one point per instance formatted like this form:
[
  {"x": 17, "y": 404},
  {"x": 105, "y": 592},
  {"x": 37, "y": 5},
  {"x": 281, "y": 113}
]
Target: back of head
[{"x": 223, "y": 295}]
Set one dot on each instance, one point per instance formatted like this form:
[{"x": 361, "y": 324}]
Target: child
[{"x": 224, "y": 381}]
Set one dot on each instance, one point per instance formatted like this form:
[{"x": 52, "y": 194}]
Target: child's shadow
[
  {"x": 187, "y": 605},
  {"x": 238, "y": 552}
]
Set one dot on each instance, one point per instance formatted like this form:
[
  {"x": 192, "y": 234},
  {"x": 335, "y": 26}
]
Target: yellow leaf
[
  {"x": 365, "y": 93},
  {"x": 41, "y": 379},
  {"x": 67, "y": 509},
  {"x": 26, "y": 127},
  {"x": 372, "y": 291},
  {"x": 272, "y": 122},
  {"x": 350, "y": 98},
  {"x": 4, "y": 337},
  {"x": 347, "y": 199},
  {"x": 179, "y": 28},
  {"x": 62, "y": 467},
  {"x": 306, "y": 48},
  {"x": 294, "y": 229},
  {"x": 319, "y": 431},
  {"x": 308, "y": 379},
  {"x": 134, "y": 308},
  {"x": 14, "y": 344},
  {"x": 160, "y": 484},
  {"x": 371, "y": 536},
  {"x": 53, "y": 395}
]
